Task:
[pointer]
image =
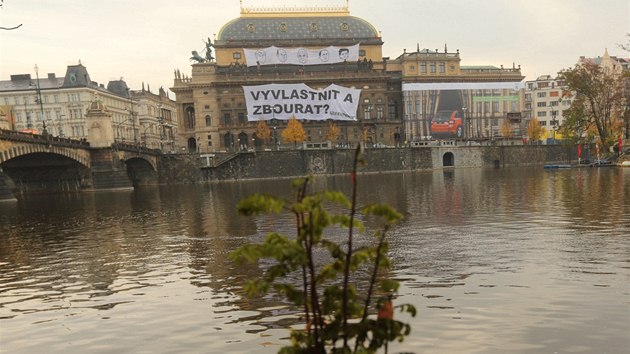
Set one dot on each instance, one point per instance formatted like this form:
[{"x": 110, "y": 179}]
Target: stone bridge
[{"x": 31, "y": 163}]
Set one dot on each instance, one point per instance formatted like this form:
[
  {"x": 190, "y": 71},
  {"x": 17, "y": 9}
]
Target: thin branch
[
  {"x": 346, "y": 273},
  {"x": 11, "y": 28}
]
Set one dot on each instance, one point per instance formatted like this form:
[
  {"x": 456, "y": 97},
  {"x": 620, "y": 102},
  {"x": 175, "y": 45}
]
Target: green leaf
[
  {"x": 260, "y": 204},
  {"x": 384, "y": 211},
  {"x": 389, "y": 285}
]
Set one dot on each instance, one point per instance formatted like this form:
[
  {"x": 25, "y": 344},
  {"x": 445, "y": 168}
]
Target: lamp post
[
  {"x": 161, "y": 122},
  {"x": 39, "y": 100},
  {"x": 466, "y": 123},
  {"x": 29, "y": 124},
  {"x": 61, "y": 135},
  {"x": 553, "y": 124},
  {"x": 133, "y": 118}
]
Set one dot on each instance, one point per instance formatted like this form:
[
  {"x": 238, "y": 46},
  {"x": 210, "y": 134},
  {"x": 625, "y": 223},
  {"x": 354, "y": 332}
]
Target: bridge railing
[
  {"x": 46, "y": 139},
  {"x": 135, "y": 148}
]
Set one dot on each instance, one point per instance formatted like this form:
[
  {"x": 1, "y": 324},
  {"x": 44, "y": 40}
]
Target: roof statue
[
  {"x": 209, "y": 46},
  {"x": 196, "y": 57}
]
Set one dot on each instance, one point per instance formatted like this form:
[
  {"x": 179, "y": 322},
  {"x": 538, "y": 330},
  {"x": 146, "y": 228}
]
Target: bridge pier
[
  {"x": 5, "y": 190},
  {"x": 109, "y": 171}
]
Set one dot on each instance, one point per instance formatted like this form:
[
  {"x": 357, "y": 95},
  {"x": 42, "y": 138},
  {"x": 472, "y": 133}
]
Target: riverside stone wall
[{"x": 293, "y": 163}]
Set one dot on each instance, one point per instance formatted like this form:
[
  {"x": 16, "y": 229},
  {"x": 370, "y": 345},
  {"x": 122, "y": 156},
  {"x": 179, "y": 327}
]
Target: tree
[
  {"x": 365, "y": 135},
  {"x": 534, "y": 130},
  {"x": 263, "y": 132},
  {"x": 335, "y": 310},
  {"x": 333, "y": 132},
  {"x": 294, "y": 132},
  {"x": 626, "y": 76},
  {"x": 506, "y": 129},
  {"x": 598, "y": 106}
]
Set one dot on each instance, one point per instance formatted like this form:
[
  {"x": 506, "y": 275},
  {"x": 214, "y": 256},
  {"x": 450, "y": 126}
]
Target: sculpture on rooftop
[
  {"x": 209, "y": 46},
  {"x": 196, "y": 57}
]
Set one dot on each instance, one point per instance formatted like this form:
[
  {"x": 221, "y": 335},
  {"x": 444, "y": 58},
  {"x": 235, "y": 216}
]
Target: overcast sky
[{"x": 145, "y": 40}]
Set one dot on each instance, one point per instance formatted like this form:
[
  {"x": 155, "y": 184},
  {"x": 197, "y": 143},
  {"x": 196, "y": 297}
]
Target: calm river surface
[{"x": 518, "y": 260}]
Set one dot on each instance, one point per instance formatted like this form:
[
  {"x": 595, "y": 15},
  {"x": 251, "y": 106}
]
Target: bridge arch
[
  {"x": 141, "y": 171},
  {"x": 12, "y": 150},
  {"x": 45, "y": 172}
]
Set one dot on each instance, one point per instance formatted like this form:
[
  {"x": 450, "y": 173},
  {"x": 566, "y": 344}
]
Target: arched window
[
  {"x": 192, "y": 144},
  {"x": 208, "y": 120},
  {"x": 448, "y": 159},
  {"x": 228, "y": 140},
  {"x": 242, "y": 141},
  {"x": 190, "y": 117}
]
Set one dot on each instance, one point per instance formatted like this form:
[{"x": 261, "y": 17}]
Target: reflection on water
[{"x": 520, "y": 260}]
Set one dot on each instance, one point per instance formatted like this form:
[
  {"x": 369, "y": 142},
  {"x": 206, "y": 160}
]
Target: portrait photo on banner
[{"x": 301, "y": 56}]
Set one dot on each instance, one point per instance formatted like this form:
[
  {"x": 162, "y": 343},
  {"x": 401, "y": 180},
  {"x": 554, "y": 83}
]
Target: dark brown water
[{"x": 521, "y": 260}]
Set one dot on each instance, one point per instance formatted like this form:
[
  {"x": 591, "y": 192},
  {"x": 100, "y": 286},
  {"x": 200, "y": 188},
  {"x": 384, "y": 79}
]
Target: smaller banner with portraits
[
  {"x": 301, "y": 56},
  {"x": 282, "y": 101}
]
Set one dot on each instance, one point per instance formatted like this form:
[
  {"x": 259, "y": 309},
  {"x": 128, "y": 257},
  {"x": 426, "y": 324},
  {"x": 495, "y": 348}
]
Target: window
[
  {"x": 379, "y": 112},
  {"x": 190, "y": 117},
  {"x": 209, "y": 140},
  {"x": 208, "y": 120},
  {"x": 553, "y": 103},
  {"x": 361, "y": 52},
  {"x": 541, "y": 114},
  {"x": 495, "y": 106},
  {"x": 542, "y": 94},
  {"x": 442, "y": 67},
  {"x": 392, "y": 109},
  {"x": 227, "y": 118},
  {"x": 236, "y": 55},
  {"x": 432, "y": 68},
  {"x": 541, "y": 104},
  {"x": 423, "y": 67},
  {"x": 242, "y": 117},
  {"x": 367, "y": 111}
]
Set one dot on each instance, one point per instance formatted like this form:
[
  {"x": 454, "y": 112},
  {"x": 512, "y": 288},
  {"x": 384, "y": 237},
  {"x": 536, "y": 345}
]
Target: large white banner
[
  {"x": 282, "y": 101},
  {"x": 301, "y": 56}
]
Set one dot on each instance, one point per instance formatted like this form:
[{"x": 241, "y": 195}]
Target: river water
[{"x": 516, "y": 260}]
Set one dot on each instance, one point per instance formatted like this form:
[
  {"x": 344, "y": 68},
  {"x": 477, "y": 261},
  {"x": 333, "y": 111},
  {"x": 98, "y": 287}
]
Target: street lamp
[
  {"x": 133, "y": 119},
  {"x": 61, "y": 135},
  {"x": 466, "y": 122},
  {"x": 554, "y": 122},
  {"x": 161, "y": 122},
  {"x": 39, "y": 100}
]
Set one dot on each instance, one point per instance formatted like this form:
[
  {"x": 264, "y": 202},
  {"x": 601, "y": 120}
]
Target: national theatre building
[{"x": 325, "y": 68}]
